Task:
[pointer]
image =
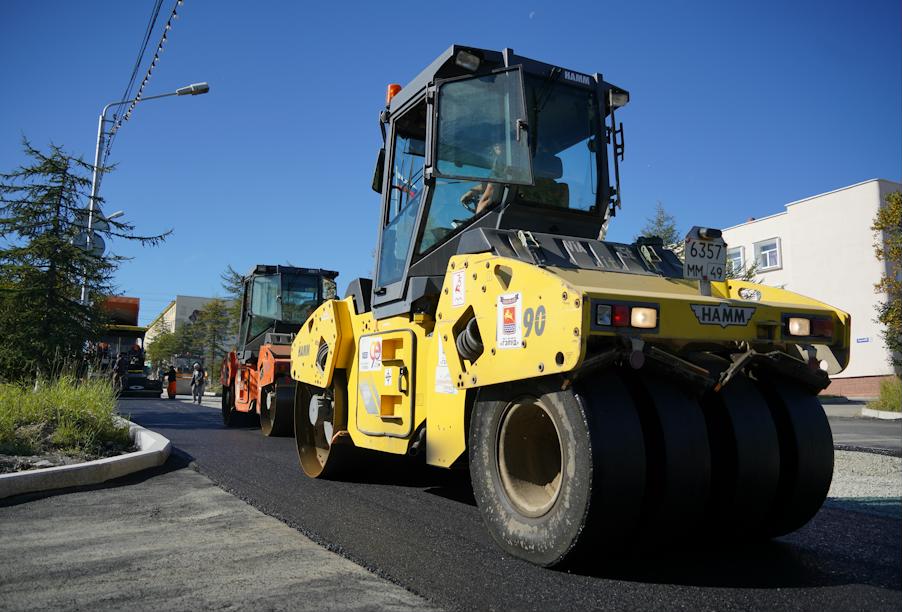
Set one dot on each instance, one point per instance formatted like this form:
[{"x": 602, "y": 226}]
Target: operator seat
[{"x": 546, "y": 169}]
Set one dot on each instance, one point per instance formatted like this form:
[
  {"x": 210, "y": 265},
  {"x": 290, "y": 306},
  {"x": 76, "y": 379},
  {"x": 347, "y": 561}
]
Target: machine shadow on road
[
  {"x": 376, "y": 468},
  {"x": 769, "y": 564}
]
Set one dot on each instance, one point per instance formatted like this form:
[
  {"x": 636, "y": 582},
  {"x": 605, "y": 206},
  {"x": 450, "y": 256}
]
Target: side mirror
[{"x": 377, "y": 173}]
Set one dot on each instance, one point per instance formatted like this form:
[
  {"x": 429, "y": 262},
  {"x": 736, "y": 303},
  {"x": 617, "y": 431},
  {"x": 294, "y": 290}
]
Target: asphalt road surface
[
  {"x": 420, "y": 528},
  {"x": 868, "y": 433}
]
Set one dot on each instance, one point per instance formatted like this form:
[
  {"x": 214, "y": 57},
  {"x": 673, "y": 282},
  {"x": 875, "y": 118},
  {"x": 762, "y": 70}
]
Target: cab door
[
  {"x": 385, "y": 383},
  {"x": 404, "y": 193}
]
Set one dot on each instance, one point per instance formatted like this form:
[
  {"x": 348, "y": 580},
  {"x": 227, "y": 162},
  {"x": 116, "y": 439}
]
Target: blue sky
[{"x": 737, "y": 109}]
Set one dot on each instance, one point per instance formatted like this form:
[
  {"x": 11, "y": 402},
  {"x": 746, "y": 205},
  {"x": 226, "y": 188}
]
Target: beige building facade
[
  {"x": 181, "y": 310},
  {"x": 823, "y": 247}
]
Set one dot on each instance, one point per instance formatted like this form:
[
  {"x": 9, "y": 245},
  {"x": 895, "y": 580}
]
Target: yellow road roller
[{"x": 599, "y": 392}]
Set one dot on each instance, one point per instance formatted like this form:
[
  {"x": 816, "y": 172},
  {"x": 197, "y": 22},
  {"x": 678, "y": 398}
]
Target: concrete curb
[
  {"x": 154, "y": 450},
  {"x": 881, "y": 414}
]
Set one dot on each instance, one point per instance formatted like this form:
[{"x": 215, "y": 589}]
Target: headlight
[
  {"x": 799, "y": 327},
  {"x": 644, "y": 318}
]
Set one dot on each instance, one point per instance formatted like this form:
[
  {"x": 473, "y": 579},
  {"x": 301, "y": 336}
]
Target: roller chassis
[{"x": 701, "y": 383}]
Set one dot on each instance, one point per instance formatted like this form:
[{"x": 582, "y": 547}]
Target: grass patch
[
  {"x": 66, "y": 415},
  {"x": 890, "y": 396}
]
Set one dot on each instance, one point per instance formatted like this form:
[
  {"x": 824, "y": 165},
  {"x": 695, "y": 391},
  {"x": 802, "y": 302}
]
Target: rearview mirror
[{"x": 377, "y": 173}]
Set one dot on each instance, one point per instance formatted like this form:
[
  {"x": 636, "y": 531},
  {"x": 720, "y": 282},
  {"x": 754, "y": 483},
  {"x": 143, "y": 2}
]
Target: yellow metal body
[{"x": 406, "y": 370}]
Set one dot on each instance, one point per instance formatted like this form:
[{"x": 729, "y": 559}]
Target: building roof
[
  {"x": 162, "y": 312},
  {"x": 820, "y": 195}
]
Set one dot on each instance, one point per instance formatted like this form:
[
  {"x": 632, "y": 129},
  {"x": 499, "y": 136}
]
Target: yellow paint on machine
[{"x": 533, "y": 321}]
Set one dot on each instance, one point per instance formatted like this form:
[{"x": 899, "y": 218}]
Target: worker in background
[
  {"x": 171, "y": 376},
  {"x": 197, "y": 383},
  {"x": 120, "y": 372}
]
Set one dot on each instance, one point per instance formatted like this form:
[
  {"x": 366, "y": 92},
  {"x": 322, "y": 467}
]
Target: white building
[{"x": 823, "y": 247}]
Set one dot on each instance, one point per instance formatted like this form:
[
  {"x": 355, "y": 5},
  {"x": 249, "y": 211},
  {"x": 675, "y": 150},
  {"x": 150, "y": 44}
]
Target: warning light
[{"x": 391, "y": 92}]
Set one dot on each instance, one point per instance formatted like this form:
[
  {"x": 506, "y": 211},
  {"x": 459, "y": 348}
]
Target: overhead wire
[
  {"x": 119, "y": 119},
  {"x": 126, "y": 95}
]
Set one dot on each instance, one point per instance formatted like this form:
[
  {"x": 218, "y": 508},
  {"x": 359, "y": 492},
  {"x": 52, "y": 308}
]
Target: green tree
[
  {"x": 747, "y": 272},
  {"x": 212, "y": 328},
  {"x": 887, "y": 230},
  {"x": 663, "y": 225},
  {"x": 164, "y": 346},
  {"x": 233, "y": 285},
  {"x": 43, "y": 323}
]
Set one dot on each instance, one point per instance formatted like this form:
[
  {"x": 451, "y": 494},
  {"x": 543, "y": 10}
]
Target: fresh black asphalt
[
  {"x": 877, "y": 434},
  {"x": 419, "y": 527}
]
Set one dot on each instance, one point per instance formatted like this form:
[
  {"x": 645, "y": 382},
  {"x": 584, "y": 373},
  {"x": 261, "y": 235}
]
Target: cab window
[
  {"x": 406, "y": 191},
  {"x": 264, "y": 303}
]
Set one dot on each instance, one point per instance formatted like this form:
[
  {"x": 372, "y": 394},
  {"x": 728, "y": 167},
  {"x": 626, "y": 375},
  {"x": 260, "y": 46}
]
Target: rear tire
[
  {"x": 745, "y": 457},
  {"x": 806, "y": 455},
  {"x": 557, "y": 473},
  {"x": 230, "y": 416},
  {"x": 678, "y": 458}
]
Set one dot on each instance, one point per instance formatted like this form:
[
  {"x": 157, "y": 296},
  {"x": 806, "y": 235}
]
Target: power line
[
  {"x": 151, "y": 23},
  {"x": 153, "y": 64}
]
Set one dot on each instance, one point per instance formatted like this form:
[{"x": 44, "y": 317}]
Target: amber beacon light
[{"x": 391, "y": 92}]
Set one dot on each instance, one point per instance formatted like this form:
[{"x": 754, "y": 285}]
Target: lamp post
[{"x": 194, "y": 89}]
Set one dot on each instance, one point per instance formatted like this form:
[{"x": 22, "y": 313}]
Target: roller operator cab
[
  {"x": 600, "y": 393},
  {"x": 255, "y": 378}
]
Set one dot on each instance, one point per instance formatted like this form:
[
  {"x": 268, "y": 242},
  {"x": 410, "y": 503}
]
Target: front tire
[
  {"x": 556, "y": 473},
  {"x": 320, "y": 428}
]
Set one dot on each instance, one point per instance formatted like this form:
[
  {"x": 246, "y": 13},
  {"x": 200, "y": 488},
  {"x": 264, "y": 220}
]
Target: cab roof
[{"x": 444, "y": 67}]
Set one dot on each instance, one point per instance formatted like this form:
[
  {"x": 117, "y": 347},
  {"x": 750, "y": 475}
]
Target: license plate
[{"x": 705, "y": 259}]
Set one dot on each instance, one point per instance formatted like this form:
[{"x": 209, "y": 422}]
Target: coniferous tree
[
  {"x": 43, "y": 212},
  {"x": 233, "y": 285},
  {"x": 663, "y": 225}
]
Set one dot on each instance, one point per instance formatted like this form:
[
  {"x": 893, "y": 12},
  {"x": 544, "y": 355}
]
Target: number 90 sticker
[
  {"x": 510, "y": 334},
  {"x": 534, "y": 321}
]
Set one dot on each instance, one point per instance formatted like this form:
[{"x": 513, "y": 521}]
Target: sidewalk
[{"x": 170, "y": 539}]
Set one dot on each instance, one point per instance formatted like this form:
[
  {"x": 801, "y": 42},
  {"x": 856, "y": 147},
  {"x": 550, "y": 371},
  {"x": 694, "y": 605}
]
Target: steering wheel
[{"x": 470, "y": 200}]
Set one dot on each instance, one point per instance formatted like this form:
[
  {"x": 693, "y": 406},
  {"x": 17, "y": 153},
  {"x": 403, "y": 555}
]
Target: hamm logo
[{"x": 722, "y": 314}]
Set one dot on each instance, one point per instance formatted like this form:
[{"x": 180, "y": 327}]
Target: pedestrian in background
[
  {"x": 197, "y": 383},
  {"x": 171, "y": 376},
  {"x": 120, "y": 372}
]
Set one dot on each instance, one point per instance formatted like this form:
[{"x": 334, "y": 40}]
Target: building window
[
  {"x": 735, "y": 259},
  {"x": 767, "y": 254}
]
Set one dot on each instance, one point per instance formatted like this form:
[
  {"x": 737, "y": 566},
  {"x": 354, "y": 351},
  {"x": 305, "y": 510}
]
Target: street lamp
[{"x": 195, "y": 89}]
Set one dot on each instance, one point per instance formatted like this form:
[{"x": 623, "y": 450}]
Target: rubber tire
[
  {"x": 280, "y": 419},
  {"x": 603, "y": 471},
  {"x": 230, "y": 416},
  {"x": 806, "y": 455},
  {"x": 678, "y": 458},
  {"x": 340, "y": 458},
  {"x": 745, "y": 458}
]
